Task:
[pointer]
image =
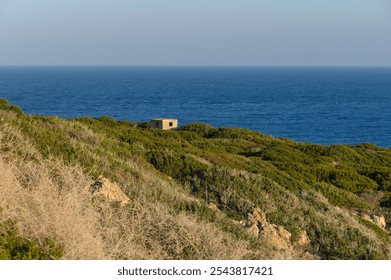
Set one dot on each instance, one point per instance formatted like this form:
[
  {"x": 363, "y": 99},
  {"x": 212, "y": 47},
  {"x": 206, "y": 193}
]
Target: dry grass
[{"x": 49, "y": 199}]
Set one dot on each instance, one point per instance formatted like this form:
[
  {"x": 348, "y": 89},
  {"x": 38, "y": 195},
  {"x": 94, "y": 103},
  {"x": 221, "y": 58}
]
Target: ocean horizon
[{"x": 324, "y": 105}]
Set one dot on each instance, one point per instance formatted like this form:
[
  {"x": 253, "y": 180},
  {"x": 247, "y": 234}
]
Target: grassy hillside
[{"x": 191, "y": 190}]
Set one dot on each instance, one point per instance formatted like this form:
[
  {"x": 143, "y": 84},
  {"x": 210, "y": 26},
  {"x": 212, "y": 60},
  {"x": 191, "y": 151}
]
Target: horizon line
[{"x": 194, "y": 65}]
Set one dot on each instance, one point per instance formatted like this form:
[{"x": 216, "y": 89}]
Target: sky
[{"x": 196, "y": 32}]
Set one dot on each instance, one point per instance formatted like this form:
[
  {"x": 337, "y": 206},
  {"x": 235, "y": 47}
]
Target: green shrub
[
  {"x": 5, "y": 105},
  {"x": 202, "y": 129},
  {"x": 237, "y": 169},
  {"x": 382, "y": 176},
  {"x": 381, "y": 234},
  {"x": 341, "y": 197},
  {"x": 386, "y": 201},
  {"x": 108, "y": 120},
  {"x": 16, "y": 247},
  {"x": 343, "y": 244},
  {"x": 16, "y": 109}
]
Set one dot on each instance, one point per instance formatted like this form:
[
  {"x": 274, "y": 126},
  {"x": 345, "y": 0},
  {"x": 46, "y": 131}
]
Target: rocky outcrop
[
  {"x": 109, "y": 190},
  {"x": 278, "y": 236},
  {"x": 303, "y": 241},
  {"x": 380, "y": 221},
  {"x": 255, "y": 222},
  {"x": 257, "y": 225},
  {"x": 213, "y": 206}
]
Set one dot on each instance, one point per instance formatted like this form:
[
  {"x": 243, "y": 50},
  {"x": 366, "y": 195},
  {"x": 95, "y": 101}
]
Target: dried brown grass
[{"x": 48, "y": 199}]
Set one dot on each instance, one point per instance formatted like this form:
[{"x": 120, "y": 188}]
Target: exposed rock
[
  {"x": 380, "y": 221},
  {"x": 366, "y": 217},
  {"x": 278, "y": 236},
  {"x": 283, "y": 233},
  {"x": 109, "y": 190},
  {"x": 255, "y": 221},
  {"x": 256, "y": 224},
  {"x": 257, "y": 216},
  {"x": 303, "y": 240},
  {"x": 213, "y": 206},
  {"x": 253, "y": 230}
]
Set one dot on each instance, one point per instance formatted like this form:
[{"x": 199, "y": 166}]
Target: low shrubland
[{"x": 172, "y": 177}]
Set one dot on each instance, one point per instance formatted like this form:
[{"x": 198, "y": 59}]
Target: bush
[
  {"x": 381, "y": 234},
  {"x": 202, "y": 129},
  {"x": 340, "y": 197},
  {"x": 237, "y": 169},
  {"x": 5, "y": 105},
  {"x": 16, "y": 247}
]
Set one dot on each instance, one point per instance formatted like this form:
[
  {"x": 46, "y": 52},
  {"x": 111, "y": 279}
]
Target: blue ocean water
[{"x": 320, "y": 105}]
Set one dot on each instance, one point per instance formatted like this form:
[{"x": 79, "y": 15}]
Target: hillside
[{"x": 195, "y": 193}]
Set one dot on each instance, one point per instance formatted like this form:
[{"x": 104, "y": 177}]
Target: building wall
[
  {"x": 165, "y": 124},
  {"x": 170, "y": 124},
  {"x": 156, "y": 124}
]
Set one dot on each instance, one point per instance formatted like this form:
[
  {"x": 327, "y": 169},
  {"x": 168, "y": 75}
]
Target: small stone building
[{"x": 164, "y": 124}]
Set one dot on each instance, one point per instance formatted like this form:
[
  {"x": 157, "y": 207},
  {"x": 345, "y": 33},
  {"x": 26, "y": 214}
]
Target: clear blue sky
[{"x": 195, "y": 32}]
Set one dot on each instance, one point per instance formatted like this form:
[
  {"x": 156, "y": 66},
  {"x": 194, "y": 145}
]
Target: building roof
[{"x": 162, "y": 119}]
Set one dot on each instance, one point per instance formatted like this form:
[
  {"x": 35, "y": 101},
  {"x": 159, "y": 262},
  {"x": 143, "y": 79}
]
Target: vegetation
[
  {"x": 172, "y": 177},
  {"x": 16, "y": 247}
]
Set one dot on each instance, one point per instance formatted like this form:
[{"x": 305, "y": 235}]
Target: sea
[{"x": 324, "y": 105}]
